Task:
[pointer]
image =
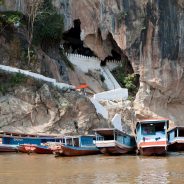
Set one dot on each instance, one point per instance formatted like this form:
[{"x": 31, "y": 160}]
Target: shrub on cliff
[{"x": 127, "y": 80}]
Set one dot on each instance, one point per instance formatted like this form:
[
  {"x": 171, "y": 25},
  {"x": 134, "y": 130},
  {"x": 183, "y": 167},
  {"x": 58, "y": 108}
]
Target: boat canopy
[{"x": 109, "y": 131}]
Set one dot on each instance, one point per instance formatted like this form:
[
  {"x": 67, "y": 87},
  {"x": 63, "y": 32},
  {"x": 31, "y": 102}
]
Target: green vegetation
[
  {"x": 1, "y": 2},
  {"x": 127, "y": 80},
  {"x": 17, "y": 79},
  {"x": 10, "y": 81},
  {"x": 121, "y": 16},
  {"x": 11, "y": 17},
  {"x": 48, "y": 25}
]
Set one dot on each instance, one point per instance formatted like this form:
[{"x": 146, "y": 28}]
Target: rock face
[
  {"x": 150, "y": 33},
  {"x": 161, "y": 90},
  {"x": 39, "y": 108}
]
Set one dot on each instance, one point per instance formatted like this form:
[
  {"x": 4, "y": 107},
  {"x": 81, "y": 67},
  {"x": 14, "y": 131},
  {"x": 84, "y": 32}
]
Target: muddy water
[{"x": 46, "y": 169}]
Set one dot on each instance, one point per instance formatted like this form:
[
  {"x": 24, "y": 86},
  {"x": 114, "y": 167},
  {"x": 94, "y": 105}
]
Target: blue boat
[
  {"x": 176, "y": 139},
  {"x": 151, "y": 136},
  {"x": 77, "y": 146},
  {"x": 112, "y": 141},
  {"x": 19, "y": 140}
]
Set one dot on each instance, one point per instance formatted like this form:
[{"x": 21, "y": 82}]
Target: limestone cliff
[{"x": 149, "y": 33}]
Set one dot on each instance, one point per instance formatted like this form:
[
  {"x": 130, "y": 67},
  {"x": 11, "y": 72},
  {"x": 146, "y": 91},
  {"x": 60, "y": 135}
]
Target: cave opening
[
  {"x": 124, "y": 73},
  {"x": 72, "y": 40},
  {"x": 117, "y": 54}
]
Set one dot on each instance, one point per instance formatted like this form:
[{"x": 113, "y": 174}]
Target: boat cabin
[
  {"x": 80, "y": 141},
  {"x": 151, "y": 136},
  {"x": 177, "y": 132},
  {"x": 151, "y": 130},
  {"x": 176, "y": 139},
  {"x": 108, "y": 134}
]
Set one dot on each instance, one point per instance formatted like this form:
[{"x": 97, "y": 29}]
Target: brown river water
[{"x": 97, "y": 169}]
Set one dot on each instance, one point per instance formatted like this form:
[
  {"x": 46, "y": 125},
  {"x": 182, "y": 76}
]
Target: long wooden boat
[
  {"x": 42, "y": 149},
  {"x": 151, "y": 136},
  {"x": 8, "y": 148},
  {"x": 176, "y": 139},
  {"x": 112, "y": 141},
  {"x": 77, "y": 146}
]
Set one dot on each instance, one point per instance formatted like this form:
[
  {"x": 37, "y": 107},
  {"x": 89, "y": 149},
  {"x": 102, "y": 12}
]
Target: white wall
[
  {"x": 36, "y": 76},
  {"x": 99, "y": 108},
  {"x": 85, "y": 63},
  {"x": 117, "y": 94},
  {"x": 116, "y": 121}
]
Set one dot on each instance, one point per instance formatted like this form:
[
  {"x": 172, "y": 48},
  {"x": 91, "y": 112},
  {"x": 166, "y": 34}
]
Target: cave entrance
[
  {"x": 124, "y": 73},
  {"x": 72, "y": 40}
]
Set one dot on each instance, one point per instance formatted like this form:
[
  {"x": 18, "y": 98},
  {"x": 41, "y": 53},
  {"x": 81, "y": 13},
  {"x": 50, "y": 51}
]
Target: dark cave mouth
[{"x": 72, "y": 41}]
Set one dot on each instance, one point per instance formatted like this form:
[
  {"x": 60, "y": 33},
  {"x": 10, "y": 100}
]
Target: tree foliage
[{"x": 48, "y": 25}]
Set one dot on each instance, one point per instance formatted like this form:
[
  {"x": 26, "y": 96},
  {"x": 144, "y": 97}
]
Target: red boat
[
  {"x": 8, "y": 148},
  {"x": 42, "y": 149},
  {"x": 26, "y": 148}
]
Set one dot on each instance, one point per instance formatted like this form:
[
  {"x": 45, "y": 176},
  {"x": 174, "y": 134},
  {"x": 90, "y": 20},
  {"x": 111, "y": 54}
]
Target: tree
[{"x": 33, "y": 7}]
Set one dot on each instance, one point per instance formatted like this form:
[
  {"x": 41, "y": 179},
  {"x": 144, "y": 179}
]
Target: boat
[
  {"x": 77, "y": 146},
  {"x": 151, "y": 136},
  {"x": 42, "y": 149},
  {"x": 29, "y": 143},
  {"x": 8, "y": 148},
  {"x": 112, "y": 141},
  {"x": 176, "y": 139}
]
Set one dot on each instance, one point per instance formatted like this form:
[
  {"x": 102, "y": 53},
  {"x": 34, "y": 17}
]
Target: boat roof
[
  {"x": 157, "y": 120},
  {"x": 109, "y": 131},
  {"x": 176, "y": 127},
  {"x": 16, "y": 134},
  {"x": 77, "y": 136}
]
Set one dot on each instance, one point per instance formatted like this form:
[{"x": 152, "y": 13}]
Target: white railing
[{"x": 36, "y": 76}]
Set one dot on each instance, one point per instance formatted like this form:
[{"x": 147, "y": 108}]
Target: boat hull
[
  {"x": 7, "y": 148},
  {"x": 42, "y": 150},
  {"x": 75, "y": 151},
  {"x": 176, "y": 146},
  {"x": 26, "y": 148},
  {"x": 114, "y": 148},
  {"x": 152, "y": 148},
  {"x": 153, "y": 151}
]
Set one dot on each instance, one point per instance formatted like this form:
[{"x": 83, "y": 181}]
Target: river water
[{"x": 97, "y": 169}]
